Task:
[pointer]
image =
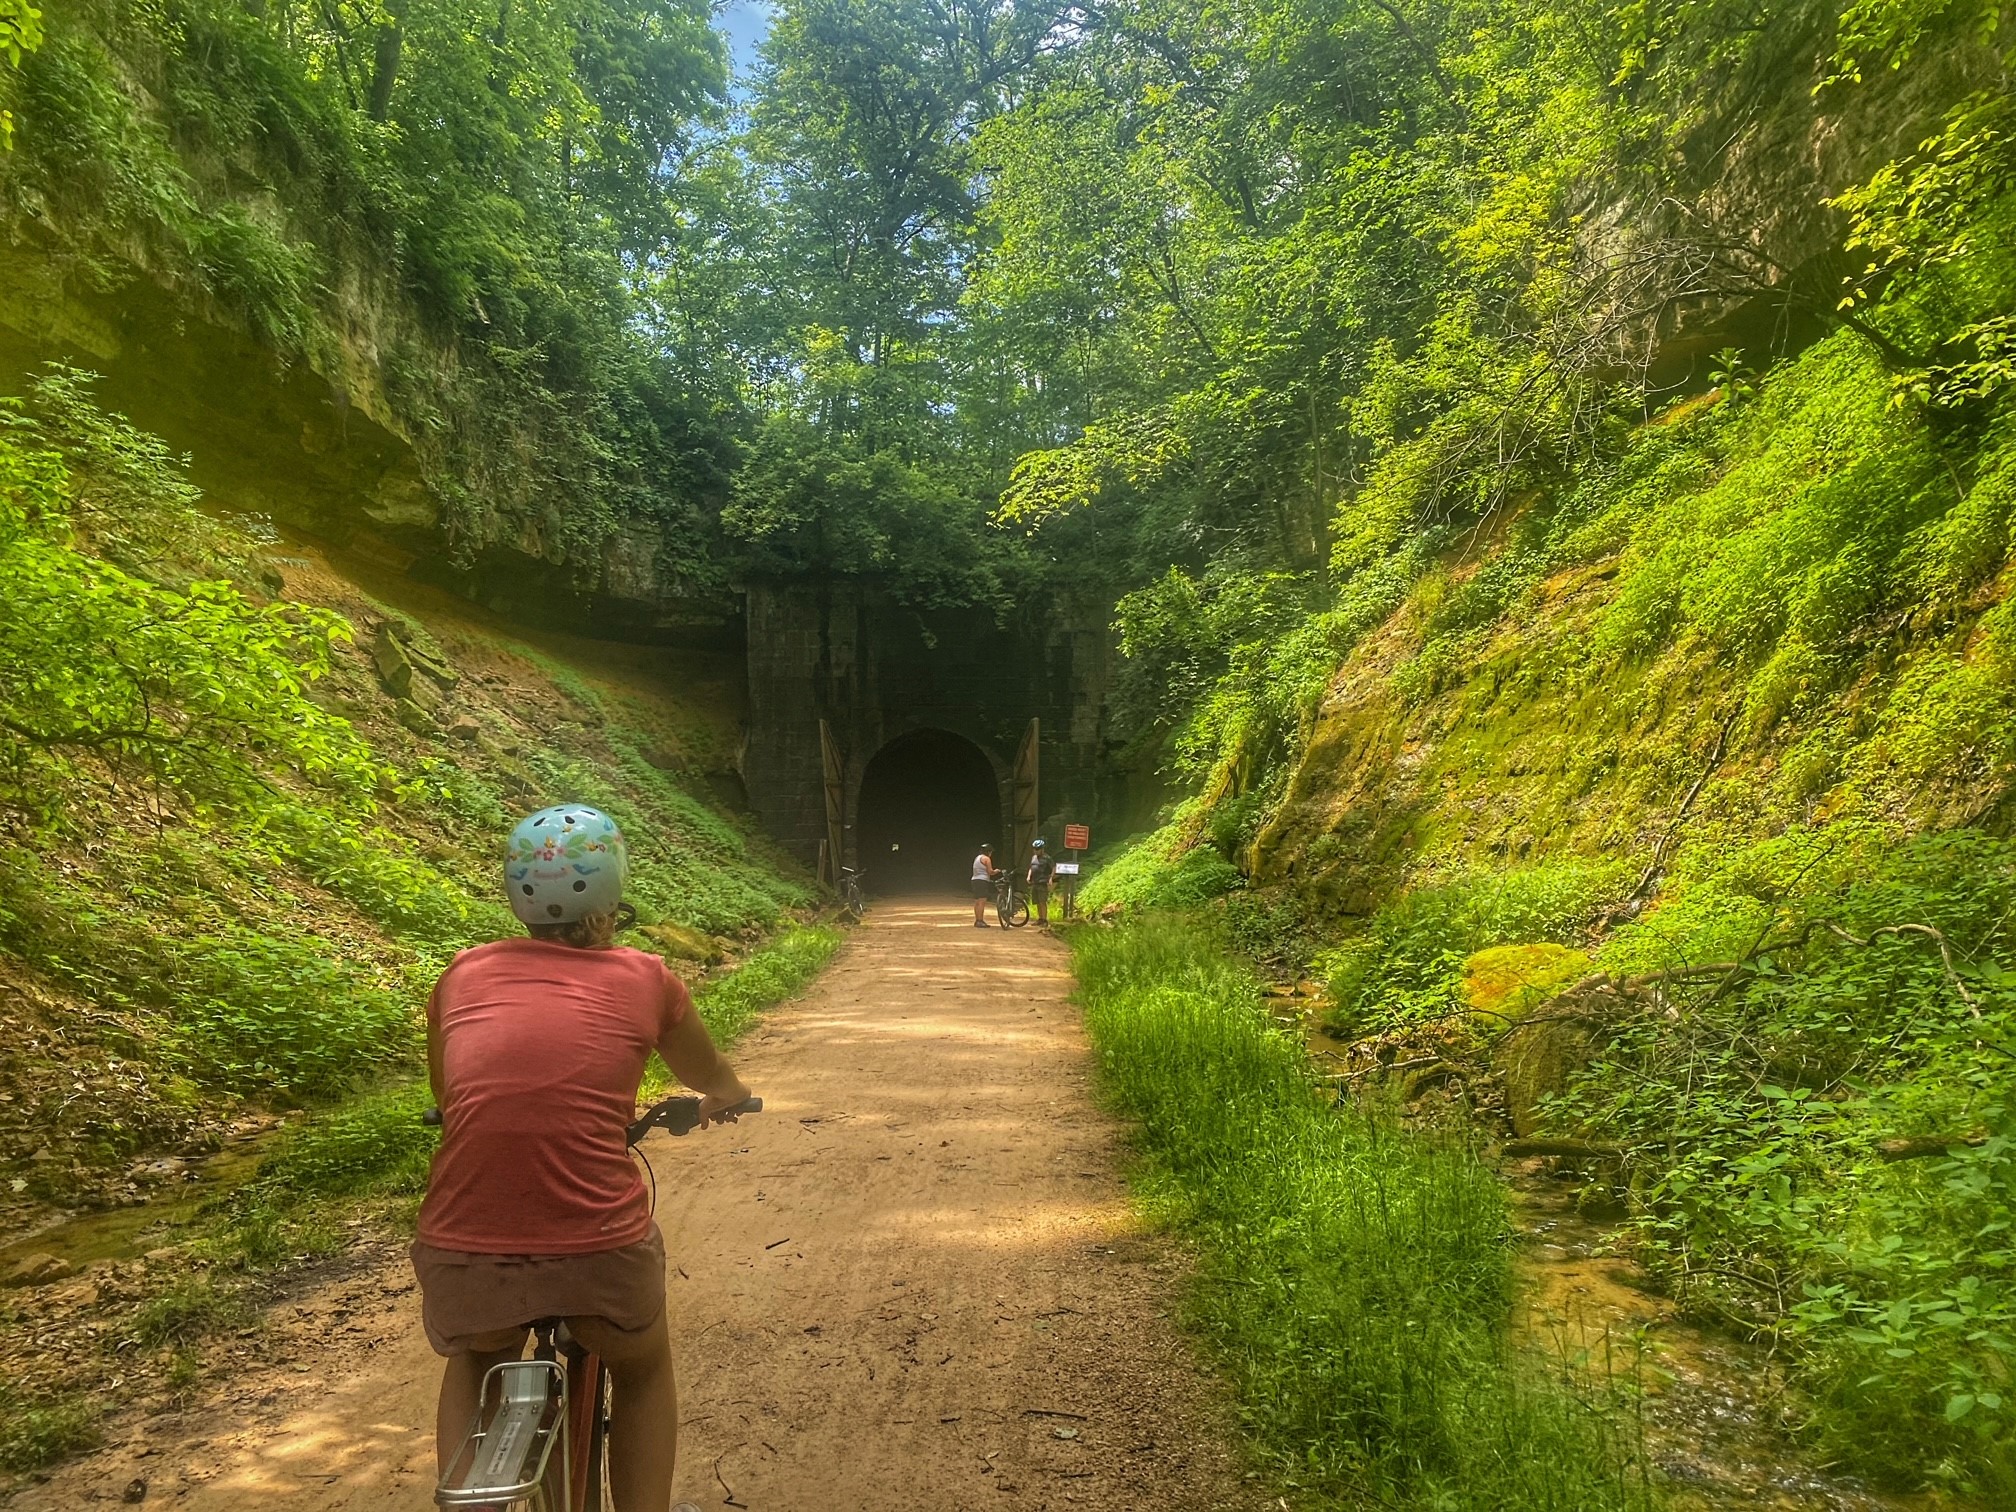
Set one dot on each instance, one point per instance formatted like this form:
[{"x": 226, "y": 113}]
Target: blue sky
[{"x": 745, "y": 23}]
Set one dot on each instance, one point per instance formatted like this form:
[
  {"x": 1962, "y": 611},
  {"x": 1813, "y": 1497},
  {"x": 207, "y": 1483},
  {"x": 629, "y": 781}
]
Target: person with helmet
[
  {"x": 1041, "y": 869},
  {"x": 536, "y": 1049},
  {"x": 984, "y": 874}
]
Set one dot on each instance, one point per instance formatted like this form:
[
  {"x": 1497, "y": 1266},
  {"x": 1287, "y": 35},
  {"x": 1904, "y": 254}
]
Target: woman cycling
[{"x": 535, "y": 1049}]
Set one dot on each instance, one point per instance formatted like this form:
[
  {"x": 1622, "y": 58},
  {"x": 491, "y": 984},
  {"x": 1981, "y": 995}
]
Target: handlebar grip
[
  {"x": 431, "y": 1118},
  {"x": 681, "y": 1115}
]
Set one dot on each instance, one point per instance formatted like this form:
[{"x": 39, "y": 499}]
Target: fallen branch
[
  {"x": 1585, "y": 1149},
  {"x": 1918, "y": 1146},
  {"x": 1664, "y": 845}
]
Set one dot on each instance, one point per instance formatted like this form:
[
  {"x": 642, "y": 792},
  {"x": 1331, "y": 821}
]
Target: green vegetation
[
  {"x": 731, "y": 1003},
  {"x": 233, "y": 867},
  {"x": 1552, "y": 464},
  {"x": 468, "y": 187},
  {"x": 35, "y": 1431},
  {"x": 213, "y": 854},
  {"x": 1823, "y": 1145},
  {"x": 1683, "y": 674},
  {"x": 1354, "y": 1276},
  {"x": 1166, "y": 869}
]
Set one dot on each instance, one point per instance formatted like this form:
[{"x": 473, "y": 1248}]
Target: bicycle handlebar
[
  {"x": 681, "y": 1115},
  {"x": 675, "y": 1115}
]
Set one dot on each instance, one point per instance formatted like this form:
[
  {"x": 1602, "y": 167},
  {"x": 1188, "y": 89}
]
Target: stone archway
[
  {"x": 923, "y": 805},
  {"x": 838, "y": 670}
]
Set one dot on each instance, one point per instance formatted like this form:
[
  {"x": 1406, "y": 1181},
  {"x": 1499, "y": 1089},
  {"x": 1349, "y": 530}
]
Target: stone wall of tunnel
[{"x": 876, "y": 670}]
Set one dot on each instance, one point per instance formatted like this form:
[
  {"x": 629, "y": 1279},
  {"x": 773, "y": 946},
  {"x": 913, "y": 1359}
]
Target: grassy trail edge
[{"x": 1354, "y": 1278}]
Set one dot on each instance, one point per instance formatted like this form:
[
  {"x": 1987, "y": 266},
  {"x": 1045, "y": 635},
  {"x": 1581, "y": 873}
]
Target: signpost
[{"x": 1077, "y": 838}]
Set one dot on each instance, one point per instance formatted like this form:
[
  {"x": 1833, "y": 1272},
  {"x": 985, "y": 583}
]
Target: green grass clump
[
  {"x": 730, "y": 1004},
  {"x": 1355, "y": 1277},
  {"x": 32, "y": 1433},
  {"x": 192, "y": 1309},
  {"x": 1164, "y": 869}
]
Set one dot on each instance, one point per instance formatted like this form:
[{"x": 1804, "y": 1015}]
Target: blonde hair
[{"x": 594, "y": 931}]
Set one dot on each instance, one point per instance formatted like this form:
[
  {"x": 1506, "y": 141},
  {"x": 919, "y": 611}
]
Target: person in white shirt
[{"x": 984, "y": 874}]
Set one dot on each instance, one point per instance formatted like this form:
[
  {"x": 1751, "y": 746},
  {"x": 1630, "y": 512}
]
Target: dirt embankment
[{"x": 913, "y": 1282}]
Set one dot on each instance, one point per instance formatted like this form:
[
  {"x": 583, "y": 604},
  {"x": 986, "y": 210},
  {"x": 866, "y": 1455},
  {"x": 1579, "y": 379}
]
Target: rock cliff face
[
  {"x": 208, "y": 244},
  {"x": 324, "y": 445},
  {"x": 1730, "y": 241},
  {"x": 1771, "y": 628}
]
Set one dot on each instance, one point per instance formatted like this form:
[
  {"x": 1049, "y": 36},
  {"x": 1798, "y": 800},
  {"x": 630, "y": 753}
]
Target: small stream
[
  {"x": 1713, "y": 1406},
  {"x": 178, "y": 1190}
]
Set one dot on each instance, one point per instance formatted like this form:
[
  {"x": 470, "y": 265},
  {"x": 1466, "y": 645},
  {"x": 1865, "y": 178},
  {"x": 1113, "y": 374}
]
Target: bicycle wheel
[
  {"x": 600, "y": 1498},
  {"x": 852, "y": 902},
  {"x": 588, "y": 1403},
  {"x": 1017, "y": 912}
]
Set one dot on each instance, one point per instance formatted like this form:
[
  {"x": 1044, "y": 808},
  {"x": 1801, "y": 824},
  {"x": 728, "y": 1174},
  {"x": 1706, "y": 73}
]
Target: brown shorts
[{"x": 463, "y": 1296}]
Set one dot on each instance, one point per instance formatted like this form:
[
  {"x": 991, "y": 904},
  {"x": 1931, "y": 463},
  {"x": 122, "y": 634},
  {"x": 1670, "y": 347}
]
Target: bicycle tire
[
  {"x": 1017, "y": 913},
  {"x": 852, "y": 903},
  {"x": 601, "y": 1496},
  {"x": 587, "y": 1468}
]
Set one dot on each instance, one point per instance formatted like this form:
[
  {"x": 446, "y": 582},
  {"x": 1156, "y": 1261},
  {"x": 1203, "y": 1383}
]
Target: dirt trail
[{"x": 913, "y": 1282}]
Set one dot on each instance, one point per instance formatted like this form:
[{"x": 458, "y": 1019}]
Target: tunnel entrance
[{"x": 933, "y": 795}]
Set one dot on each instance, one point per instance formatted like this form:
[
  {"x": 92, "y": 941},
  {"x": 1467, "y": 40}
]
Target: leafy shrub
[
  {"x": 200, "y": 685},
  {"x": 259, "y": 1016},
  {"x": 377, "y": 873},
  {"x": 1820, "y": 997}
]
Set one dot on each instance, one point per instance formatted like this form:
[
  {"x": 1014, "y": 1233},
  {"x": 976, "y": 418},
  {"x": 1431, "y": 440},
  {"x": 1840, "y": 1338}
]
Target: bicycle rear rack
[{"x": 505, "y": 1462}]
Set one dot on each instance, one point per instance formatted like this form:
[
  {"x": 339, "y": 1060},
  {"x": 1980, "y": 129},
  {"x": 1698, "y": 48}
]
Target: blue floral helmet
[{"x": 564, "y": 863}]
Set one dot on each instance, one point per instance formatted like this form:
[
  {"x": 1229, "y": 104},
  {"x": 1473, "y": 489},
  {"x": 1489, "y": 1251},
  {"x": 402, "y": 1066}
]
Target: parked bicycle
[
  {"x": 541, "y": 1434},
  {"x": 1011, "y": 908},
  {"x": 852, "y": 902}
]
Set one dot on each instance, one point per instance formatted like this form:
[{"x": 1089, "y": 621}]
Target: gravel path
[{"x": 913, "y": 1282}]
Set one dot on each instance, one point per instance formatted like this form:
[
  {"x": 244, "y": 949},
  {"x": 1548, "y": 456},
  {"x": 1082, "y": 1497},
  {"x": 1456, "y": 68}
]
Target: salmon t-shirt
[{"x": 542, "y": 1050}]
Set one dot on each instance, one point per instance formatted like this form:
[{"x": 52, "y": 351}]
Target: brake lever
[{"x": 681, "y": 1115}]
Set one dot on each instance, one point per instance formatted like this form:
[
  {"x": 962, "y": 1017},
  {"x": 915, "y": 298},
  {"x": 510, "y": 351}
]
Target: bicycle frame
[{"x": 1005, "y": 899}]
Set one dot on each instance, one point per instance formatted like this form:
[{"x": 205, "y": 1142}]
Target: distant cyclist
[
  {"x": 1041, "y": 870},
  {"x": 984, "y": 873},
  {"x": 535, "y": 1050}
]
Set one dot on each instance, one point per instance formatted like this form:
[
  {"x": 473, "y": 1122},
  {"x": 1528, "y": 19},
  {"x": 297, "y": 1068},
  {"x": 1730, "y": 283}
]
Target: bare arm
[
  {"x": 433, "y": 1050},
  {"x": 689, "y": 1053}
]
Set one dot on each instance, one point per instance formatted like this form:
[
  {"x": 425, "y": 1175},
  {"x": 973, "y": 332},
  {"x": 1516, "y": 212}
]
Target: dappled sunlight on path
[{"x": 913, "y": 1282}]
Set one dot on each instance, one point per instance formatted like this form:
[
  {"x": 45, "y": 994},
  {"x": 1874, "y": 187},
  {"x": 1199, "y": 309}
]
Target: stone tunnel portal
[{"x": 935, "y": 797}]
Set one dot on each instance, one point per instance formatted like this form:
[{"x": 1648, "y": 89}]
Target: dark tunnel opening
[{"x": 933, "y": 796}]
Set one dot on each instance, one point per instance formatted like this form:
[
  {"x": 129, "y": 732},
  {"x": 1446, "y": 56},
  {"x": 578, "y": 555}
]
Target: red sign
[{"x": 1077, "y": 837}]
